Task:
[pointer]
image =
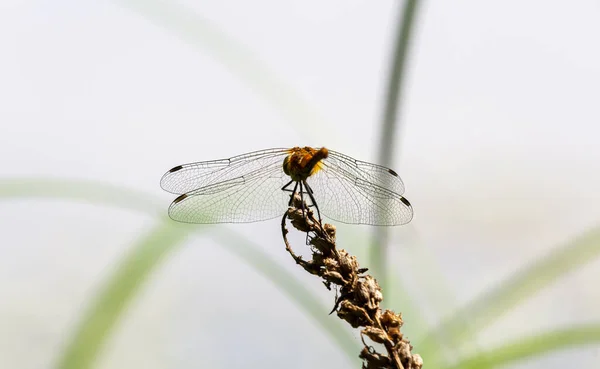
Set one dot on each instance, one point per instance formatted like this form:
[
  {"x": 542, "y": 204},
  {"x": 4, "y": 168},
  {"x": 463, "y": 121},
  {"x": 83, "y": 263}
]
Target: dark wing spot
[
  {"x": 405, "y": 201},
  {"x": 180, "y": 198},
  {"x": 393, "y": 173},
  {"x": 176, "y": 169}
]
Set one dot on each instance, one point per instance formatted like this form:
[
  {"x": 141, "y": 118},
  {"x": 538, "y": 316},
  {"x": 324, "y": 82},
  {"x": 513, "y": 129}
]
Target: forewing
[
  {"x": 244, "y": 199},
  {"x": 372, "y": 173},
  {"x": 193, "y": 176},
  {"x": 351, "y": 199}
]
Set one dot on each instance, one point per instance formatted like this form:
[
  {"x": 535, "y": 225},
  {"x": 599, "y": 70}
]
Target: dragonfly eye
[{"x": 286, "y": 164}]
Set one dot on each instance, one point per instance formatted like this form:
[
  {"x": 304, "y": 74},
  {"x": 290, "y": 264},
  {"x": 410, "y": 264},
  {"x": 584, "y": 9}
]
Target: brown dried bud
[
  {"x": 375, "y": 334},
  {"x": 347, "y": 263},
  {"x": 354, "y": 315},
  {"x": 391, "y": 319},
  {"x": 395, "y": 334},
  {"x": 417, "y": 361},
  {"x": 374, "y": 360},
  {"x": 331, "y": 264},
  {"x": 330, "y": 230},
  {"x": 334, "y": 277}
]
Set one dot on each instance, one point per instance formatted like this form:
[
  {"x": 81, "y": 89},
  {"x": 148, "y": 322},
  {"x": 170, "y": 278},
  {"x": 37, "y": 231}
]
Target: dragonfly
[{"x": 260, "y": 185}]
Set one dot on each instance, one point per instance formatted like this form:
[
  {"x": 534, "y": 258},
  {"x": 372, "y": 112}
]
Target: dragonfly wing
[
  {"x": 373, "y": 173},
  {"x": 351, "y": 199},
  {"x": 244, "y": 199},
  {"x": 193, "y": 176}
]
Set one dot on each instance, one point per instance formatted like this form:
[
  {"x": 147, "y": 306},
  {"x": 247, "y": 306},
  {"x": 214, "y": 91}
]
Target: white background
[{"x": 498, "y": 150}]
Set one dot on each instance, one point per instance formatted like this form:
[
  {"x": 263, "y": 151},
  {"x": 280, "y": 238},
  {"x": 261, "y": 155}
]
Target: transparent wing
[
  {"x": 379, "y": 175},
  {"x": 349, "y": 198},
  {"x": 190, "y": 177},
  {"x": 248, "y": 198}
]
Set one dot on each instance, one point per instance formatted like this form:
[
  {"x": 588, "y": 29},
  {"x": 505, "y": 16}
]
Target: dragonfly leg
[
  {"x": 309, "y": 191},
  {"x": 302, "y": 200},
  {"x": 285, "y": 188},
  {"x": 304, "y": 210},
  {"x": 303, "y": 188},
  {"x": 293, "y": 192}
]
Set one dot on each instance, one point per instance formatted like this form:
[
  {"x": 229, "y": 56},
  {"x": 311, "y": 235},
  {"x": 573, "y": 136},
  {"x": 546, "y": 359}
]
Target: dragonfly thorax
[{"x": 303, "y": 162}]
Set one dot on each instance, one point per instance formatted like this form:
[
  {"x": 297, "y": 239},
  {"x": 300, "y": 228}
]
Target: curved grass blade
[
  {"x": 489, "y": 307},
  {"x": 85, "y": 191},
  {"x": 119, "y": 290},
  {"x": 398, "y": 296},
  {"x": 290, "y": 286},
  {"x": 390, "y": 122},
  {"x": 192, "y": 28},
  {"x": 101, "y": 317},
  {"x": 534, "y": 346}
]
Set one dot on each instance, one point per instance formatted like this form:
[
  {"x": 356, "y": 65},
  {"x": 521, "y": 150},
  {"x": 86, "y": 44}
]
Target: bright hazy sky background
[{"x": 498, "y": 150}]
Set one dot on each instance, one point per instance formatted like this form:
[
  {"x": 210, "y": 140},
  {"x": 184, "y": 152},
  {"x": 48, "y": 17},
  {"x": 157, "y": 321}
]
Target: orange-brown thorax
[{"x": 303, "y": 162}]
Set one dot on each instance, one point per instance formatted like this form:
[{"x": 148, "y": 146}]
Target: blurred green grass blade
[
  {"x": 138, "y": 265},
  {"x": 295, "y": 289},
  {"x": 90, "y": 192},
  {"x": 395, "y": 82},
  {"x": 389, "y": 123},
  {"x": 185, "y": 23},
  {"x": 398, "y": 298},
  {"x": 112, "y": 301},
  {"x": 534, "y": 346},
  {"x": 490, "y": 307},
  {"x": 433, "y": 289}
]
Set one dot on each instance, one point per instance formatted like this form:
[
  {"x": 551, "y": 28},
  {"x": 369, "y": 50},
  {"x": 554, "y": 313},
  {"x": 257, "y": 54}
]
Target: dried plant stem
[{"x": 359, "y": 297}]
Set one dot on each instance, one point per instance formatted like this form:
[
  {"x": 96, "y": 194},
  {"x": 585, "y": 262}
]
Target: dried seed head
[{"x": 360, "y": 295}]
